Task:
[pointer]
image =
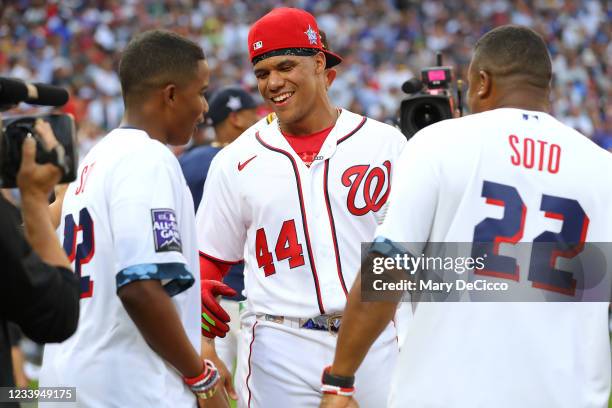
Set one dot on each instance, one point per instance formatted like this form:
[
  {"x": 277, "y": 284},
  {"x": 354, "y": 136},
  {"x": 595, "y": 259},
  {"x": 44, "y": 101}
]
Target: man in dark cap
[{"x": 232, "y": 110}]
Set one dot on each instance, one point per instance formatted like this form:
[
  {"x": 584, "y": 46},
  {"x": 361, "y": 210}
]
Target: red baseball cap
[{"x": 287, "y": 31}]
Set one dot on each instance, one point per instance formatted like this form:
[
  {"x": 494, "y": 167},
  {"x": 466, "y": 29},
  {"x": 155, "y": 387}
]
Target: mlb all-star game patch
[{"x": 165, "y": 230}]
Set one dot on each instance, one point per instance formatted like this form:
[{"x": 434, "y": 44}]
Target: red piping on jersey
[
  {"x": 304, "y": 222},
  {"x": 249, "y": 374},
  {"x": 329, "y": 209},
  {"x": 351, "y": 133},
  {"x": 212, "y": 258},
  {"x": 333, "y": 227}
]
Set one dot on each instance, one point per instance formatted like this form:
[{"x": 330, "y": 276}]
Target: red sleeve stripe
[{"x": 212, "y": 258}]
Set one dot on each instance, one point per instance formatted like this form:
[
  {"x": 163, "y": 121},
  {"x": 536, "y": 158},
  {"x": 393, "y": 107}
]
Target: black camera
[
  {"x": 14, "y": 130},
  {"x": 431, "y": 99}
]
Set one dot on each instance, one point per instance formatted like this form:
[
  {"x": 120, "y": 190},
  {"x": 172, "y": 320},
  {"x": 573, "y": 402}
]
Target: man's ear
[
  {"x": 169, "y": 93},
  {"x": 234, "y": 119},
  {"x": 485, "y": 84},
  {"x": 330, "y": 77},
  {"x": 320, "y": 62}
]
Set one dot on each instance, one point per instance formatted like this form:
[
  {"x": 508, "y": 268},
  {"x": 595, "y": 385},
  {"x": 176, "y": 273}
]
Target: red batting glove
[{"x": 214, "y": 318}]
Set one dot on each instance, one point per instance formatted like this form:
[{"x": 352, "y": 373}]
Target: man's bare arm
[{"x": 362, "y": 323}]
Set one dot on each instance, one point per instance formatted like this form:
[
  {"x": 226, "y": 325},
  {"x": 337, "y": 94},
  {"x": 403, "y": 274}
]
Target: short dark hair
[
  {"x": 156, "y": 58},
  {"x": 516, "y": 52}
]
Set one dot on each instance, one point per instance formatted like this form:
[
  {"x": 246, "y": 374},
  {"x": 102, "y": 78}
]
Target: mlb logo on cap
[{"x": 257, "y": 45}]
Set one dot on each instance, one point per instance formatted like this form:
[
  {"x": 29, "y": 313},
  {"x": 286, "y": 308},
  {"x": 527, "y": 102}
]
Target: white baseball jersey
[
  {"x": 506, "y": 175},
  {"x": 299, "y": 228},
  {"x": 129, "y": 216}
]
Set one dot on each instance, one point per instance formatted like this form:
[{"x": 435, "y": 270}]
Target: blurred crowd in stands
[{"x": 76, "y": 44}]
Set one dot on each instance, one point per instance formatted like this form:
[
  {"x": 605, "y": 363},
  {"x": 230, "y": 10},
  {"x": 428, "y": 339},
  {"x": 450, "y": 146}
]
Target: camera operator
[{"x": 38, "y": 290}]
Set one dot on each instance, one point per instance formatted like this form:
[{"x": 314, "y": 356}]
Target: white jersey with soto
[
  {"x": 503, "y": 176},
  {"x": 298, "y": 228},
  {"x": 128, "y": 217}
]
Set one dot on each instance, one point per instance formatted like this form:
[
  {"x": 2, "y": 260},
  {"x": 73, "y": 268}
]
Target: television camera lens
[{"x": 425, "y": 115}]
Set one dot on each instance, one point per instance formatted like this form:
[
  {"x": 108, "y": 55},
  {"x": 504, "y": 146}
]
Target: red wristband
[
  {"x": 194, "y": 380},
  {"x": 336, "y": 384},
  {"x": 204, "y": 384}
]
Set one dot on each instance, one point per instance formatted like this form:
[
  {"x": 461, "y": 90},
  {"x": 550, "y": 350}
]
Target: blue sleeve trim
[
  {"x": 387, "y": 248},
  {"x": 180, "y": 279}
]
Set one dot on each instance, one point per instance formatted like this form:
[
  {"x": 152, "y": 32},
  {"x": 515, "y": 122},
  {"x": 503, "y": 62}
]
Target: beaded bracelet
[{"x": 204, "y": 384}]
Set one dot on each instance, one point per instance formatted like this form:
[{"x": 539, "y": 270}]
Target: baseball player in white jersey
[
  {"x": 128, "y": 226},
  {"x": 295, "y": 199},
  {"x": 552, "y": 185}
]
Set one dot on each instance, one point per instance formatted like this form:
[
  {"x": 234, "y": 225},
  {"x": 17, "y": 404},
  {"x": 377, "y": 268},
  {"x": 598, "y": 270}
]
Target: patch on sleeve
[{"x": 165, "y": 230}]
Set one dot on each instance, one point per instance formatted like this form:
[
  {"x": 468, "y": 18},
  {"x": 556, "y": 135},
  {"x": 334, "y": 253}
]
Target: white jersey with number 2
[
  {"x": 128, "y": 217},
  {"x": 506, "y": 175}
]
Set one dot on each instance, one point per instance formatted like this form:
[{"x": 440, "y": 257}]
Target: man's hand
[
  {"x": 214, "y": 318},
  {"x": 33, "y": 179},
  {"x": 219, "y": 398},
  {"x": 337, "y": 401},
  {"x": 209, "y": 352},
  {"x": 21, "y": 380}
]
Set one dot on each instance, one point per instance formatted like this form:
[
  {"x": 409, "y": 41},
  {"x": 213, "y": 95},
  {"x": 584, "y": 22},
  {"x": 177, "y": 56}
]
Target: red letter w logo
[{"x": 363, "y": 179}]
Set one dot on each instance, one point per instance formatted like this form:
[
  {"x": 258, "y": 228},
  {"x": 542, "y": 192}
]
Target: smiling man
[{"x": 295, "y": 198}]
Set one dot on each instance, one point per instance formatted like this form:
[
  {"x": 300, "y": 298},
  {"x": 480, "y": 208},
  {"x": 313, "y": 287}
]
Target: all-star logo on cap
[
  {"x": 312, "y": 35},
  {"x": 234, "y": 103}
]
